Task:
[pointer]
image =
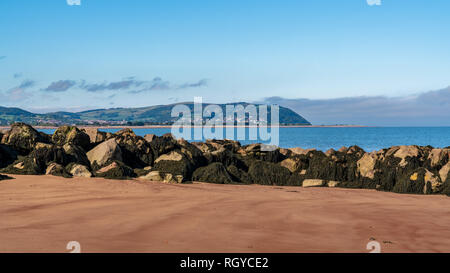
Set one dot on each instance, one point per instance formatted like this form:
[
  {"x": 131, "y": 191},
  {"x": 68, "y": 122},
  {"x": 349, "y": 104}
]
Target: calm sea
[{"x": 368, "y": 138}]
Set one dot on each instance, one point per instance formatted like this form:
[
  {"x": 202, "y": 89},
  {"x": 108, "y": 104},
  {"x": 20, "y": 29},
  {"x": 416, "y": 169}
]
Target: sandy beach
[{"x": 44, "y": 213}]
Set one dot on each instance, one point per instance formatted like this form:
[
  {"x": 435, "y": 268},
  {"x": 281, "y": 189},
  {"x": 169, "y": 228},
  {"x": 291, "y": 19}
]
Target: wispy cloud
[
  {"x": 19, "y": 92},
  {"x": 200, "y": 83},
  {"x": 423, "y": 109},
  {"x": 119, "y": 85},
  {"x": 60, "y": 86}
]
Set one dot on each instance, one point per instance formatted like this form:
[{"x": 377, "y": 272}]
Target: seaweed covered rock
[
  {"x": 296, "y": 163},
  {"x": 239, "y": 175},
  {"x": 57, "y": 170},
  {"x": 257, "y": 152},
  {"x": 175, "y": 163},
  {"x": 419, "y": 181},
  {"x": 7, "y": 155},
  {"x": 22, "y": 138},
  {"x": 37, "y": 161},
  {"x": 104, "y": 152},
  {"x": 71, "y": 135},
  {"x": 115, "y": 170},
  {"x": 192, "y": 153},
  {"x": 163, "y": 144},
  {"x": 213, "y": 173},
  {"x": 76, "y": 154},
  {"x": 136, "y": 151},
  {"x": 4, "y": 177},
  {"x": 266, "y": 173}
]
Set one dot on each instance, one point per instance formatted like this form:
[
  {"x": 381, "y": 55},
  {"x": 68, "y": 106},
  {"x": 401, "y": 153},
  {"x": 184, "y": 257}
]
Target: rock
[
  {"x": 4, "y": 177},
  {"x": 154, "y": 176},
  {"x": 267, "y": 173},
  {"x": 163, "y": 177},
  {"x": 192, "y": 153},
  {"x": 330, "y": 152},
  {"x": 172, "y": 156},
  {"x": 296, "y": 163},
  {"x": 307, "y": 183},
  {"x": 57, "y": 170},
  {"x": 7, "y": 155},
  {"x": 256, "y": 152},
  {"x": 301, "y": 151},
  {"x": 213, "y": 173},
  {"x": 104, "y": 152},
  {"x": 366, "y": 165},
  {"x": 22, "y": 138},
  {"x": 239, "y": 175},
  {"x": 163, "y": 145},
  {"x": 141, "y": 172},
  {"x": 136, "y": 151},
  {"x": 71, "y": 135},
  {"x": 444, "y": 172},
  {"x": 37, "y": 161},
  {"x": 149, "y": 137},
  {"x": 78, "y": 170},
  {"x": 95, "y": 136},
  {"x": 174, "y": 163},
  {"x": 419, "y": 181},
  {"x": 115, "y": 170},
  {"x": 432, "y": 183},
  {"x": 76, "y": 154},
  {"x": 333, "y": 184},
  {"x": 406, "y": 151}
]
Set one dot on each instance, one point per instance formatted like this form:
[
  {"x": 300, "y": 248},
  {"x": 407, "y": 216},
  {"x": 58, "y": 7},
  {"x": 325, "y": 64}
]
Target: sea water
[{"x": 324, "y": 138}]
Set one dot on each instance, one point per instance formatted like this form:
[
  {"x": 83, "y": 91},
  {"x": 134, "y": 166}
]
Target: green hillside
[{"x": 152, "y": 115}]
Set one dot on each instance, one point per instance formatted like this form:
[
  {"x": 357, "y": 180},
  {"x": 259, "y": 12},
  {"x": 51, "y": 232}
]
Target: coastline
[{"x": 170, "y": 126}]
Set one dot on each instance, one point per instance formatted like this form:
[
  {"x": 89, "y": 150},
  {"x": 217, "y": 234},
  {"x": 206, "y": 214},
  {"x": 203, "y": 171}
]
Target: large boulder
[
  {"x": 194, "y": 154},
  {"x": 136, "y": 151},
  {"x": 162, "y": 145},
  {"x": 95, "y": 136},
  {"x": 22, "y": 138},
  {"x": 366, "y": 165},
  {"x": 175, "y": 163},
  {"x": 239, "y": 175},
  {"x": 76, "y": 154},
  {"x": 38, "y": 160},
  {"x": 213, "y": 173},
  {"x": 267, "y": 173},
  {"x": 105, "y": 152},
  {"x": 71, "y": 135}
]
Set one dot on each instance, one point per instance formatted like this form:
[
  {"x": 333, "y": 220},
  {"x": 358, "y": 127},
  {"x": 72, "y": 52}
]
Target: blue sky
[{"x": 120, "y": 53}]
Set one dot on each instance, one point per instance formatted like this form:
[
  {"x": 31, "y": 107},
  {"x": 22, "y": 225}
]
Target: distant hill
[{"x": 152, "y": 115}]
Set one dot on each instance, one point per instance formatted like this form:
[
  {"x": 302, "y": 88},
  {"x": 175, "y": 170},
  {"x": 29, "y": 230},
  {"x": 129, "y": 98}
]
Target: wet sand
[{"x": 44, "y": 213}]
